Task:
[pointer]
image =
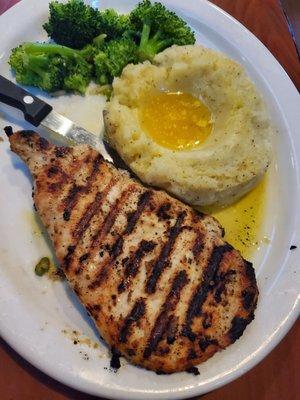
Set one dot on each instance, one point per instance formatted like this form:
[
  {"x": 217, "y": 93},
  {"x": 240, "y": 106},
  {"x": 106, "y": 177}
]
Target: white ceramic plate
[{"x": 34, "y": 311}]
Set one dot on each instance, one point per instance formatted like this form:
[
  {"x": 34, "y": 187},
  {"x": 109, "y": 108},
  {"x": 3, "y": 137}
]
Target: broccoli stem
[
  {"x": 99, "y": 40},
  {"x": 159, "y": 43},
  {"x": 48, "y": 48},
  {"x": 145, "y": 34},
  {"x": 36, "y": 63},
  {"x": 150, "y": 46}
]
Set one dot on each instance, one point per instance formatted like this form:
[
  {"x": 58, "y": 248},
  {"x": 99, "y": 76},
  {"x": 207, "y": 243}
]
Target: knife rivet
[{"x": 28, "y": 99}]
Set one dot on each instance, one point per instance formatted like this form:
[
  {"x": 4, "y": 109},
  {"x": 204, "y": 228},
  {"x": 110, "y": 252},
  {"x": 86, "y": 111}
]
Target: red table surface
[{"x": 275, "y": 377}]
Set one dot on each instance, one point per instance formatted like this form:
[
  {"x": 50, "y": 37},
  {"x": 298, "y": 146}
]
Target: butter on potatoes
[
  {"x": 175, "y": 120},
  {"x": 222, "y": 165}
]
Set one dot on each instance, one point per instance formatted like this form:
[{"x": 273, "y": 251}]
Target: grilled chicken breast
[{"x": 162, "y": 286}]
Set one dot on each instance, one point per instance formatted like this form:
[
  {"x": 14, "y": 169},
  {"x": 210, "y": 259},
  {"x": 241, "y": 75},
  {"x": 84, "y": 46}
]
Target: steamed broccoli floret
[
  {"x": 79, "y": 75},
  {"x": 114, "y": 25},
  {"x": 114, "y": 56},
  {"x": 37, "y": 69},
  {"x": 73, "y": 24},
  {"x": 52, "y": 67},
  {"x": 159, "y": 27}
]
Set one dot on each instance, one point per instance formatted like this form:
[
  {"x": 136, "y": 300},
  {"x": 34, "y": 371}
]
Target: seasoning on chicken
[{"x": 162, "y": 286}]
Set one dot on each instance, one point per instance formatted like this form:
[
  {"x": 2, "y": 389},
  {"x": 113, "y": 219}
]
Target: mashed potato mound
[{"x": 232, "y": 159}]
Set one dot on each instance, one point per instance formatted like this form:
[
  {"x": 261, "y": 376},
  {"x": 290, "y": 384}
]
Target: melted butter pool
[
  {"x": 175, "y": 120},
  {"x": 243, "y": 220}
]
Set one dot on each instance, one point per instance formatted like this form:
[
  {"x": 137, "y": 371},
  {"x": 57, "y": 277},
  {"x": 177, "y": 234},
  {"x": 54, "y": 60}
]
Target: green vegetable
[
  {"x": 42, "y": 266},
  {"x": 114, "y": 56},
  {"x": 75, "y": 24},
  {"x": 95, "y": 44},
  {"x": 112, "y": 24},
  {"x": 159, "y": 27},
  {"x": 52, "y": 67},
  {"x": 99, "y": 41}
]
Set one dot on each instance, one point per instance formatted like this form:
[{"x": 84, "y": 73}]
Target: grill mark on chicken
[
  {"x": 84, "y": 223},
  {"x": 132, "y": 264},
  {"x": 162, "y": 212},
  {"x": 117, "y": 247},
  {"x": 203, "y": 288},
  {"x": 80, "y": 268},
  {"x": 58, "y": 177},
  {"x": 172, "y": 329},
  {"x": 220, "y": 283},
  {"x": 61, "y": 152},
  {"x": 43, "y": 143},
  {"x": 238, "y": 325},
  {"x": 27, "y": 134},
  {"x": 67, "y": 259},
  {"x": 54, "y": 170},
  {"x": 110, "y": 218},
  {"x": 198, "y": 245},
  {"x": 92, "y": 209},
  {"x": 133, "y": 217},
  {"x": 166, "y": 250},
  {"x": 74, "y": 193},
  {"x": 134, "y": 316},
  {"x": 205, "y": 341},
  {"x": 164, "y": 318},
  {"x": 105, "y": 226},
  {"x": 248, "y": 295},
  {"x": 62, "y": 178}
]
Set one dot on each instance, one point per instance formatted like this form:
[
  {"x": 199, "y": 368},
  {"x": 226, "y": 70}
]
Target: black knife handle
[{"x": 33, "y": 108}]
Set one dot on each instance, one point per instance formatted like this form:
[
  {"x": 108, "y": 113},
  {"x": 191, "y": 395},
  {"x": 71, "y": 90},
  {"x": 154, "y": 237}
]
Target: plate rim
[{"x": 283, "y": 328}]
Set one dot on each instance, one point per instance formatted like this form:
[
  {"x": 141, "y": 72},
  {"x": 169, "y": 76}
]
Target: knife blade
[
  {"x": 58, "y": 124},
  {"x": 40, "y": 113}
]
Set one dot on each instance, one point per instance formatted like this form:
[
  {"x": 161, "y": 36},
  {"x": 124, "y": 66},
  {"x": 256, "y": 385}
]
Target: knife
[{"x": 39, "y": 113}]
